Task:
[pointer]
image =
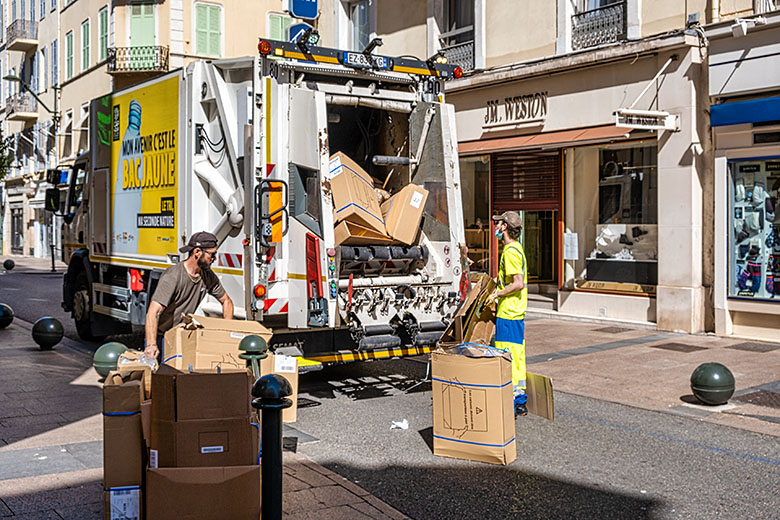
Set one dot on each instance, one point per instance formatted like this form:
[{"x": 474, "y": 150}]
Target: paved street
[{"x": 627, "y": 442}]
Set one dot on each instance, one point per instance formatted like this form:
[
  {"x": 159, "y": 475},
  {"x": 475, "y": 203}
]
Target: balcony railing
[
  {"x": 22, "y": 35},
  {"x": 606, "y": 24},
  {"x": 458, "y": 47},
  {"x": 765, "y": 6},
  {"x": 138, "y": 59},
  {"x": 21, "y": 107}
]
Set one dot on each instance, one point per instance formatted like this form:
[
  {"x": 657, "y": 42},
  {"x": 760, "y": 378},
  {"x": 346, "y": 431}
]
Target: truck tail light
[
  {"x": 259, "y": 291},
  {"x": 458, "y": 73},
  {"x": 264, "y": 47},
  {"x": 136, "y": 280}
]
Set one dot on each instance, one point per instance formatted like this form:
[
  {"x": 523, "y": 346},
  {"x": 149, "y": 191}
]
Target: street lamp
[{"x": 55, "y": 116}]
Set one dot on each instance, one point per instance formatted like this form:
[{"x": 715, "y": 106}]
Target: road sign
[
  {"x": 296, "y": 31},
  {"x": 306, "y": 9}
]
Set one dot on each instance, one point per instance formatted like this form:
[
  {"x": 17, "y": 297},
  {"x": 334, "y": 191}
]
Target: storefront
[
  {"x": 611, "y": 196},
  {"x": 745, "y": 94}
]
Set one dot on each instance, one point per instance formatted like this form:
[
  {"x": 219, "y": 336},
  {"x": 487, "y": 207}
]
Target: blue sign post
[
  {"x": 305, "y": 9},
  {"x": 296, "y": 31}
]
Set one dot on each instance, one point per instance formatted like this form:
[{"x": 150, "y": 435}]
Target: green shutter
[
  {"x": 277, "y": 26},
  {"x": 85, "y": 45},
  {"x": 103, "y": 34},
  {"x": 201, "y": 29},
  {"x": 215, "y": 29},
  {"x": 69, "y": 55}
]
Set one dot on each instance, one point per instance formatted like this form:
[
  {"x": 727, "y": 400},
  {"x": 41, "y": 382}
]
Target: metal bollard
[
  {"x": 253, "y": 349},
  {"x": 270, "y": 393}
]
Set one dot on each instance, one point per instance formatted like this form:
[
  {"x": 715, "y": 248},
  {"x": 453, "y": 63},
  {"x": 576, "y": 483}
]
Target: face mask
[{"x": 499, "y": 235}]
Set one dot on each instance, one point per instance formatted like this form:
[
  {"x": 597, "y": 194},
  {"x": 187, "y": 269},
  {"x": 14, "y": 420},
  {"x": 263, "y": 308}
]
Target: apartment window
[
  {"x": 85, "y": 45},
  {"x": 43, "y": 9},
  {"x": 32, "y": 10},
  {"x": 54, "y": 63},
  {"x": 278, "y": 24},
  {"x": 597, "y": 22},
  {"x": 208, "y": 30},
  {"x": 13, "y": 10},
  {"x": 103, "y": 33},
  {"x": 42, "y": 78},
  {"x": 69, "y": 55},
  {"x": 53, "y": 5},
  {"x": 1, "y": 83},
  {"x": 457, "y": 40},
  {"x": 359, "y": 24}
]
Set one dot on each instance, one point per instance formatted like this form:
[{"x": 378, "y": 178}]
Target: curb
[
  {"x": 79, "y": 348},
  {"x": 546, "y": 313}
]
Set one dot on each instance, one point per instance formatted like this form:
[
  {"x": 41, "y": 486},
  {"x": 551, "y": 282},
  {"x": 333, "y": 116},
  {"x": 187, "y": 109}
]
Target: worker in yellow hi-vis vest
[{"x": 512, "y": 296}]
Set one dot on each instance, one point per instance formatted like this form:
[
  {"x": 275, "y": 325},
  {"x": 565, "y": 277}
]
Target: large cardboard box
[
  {"x": 125, "y": 503},
  {"x": 354, "y": 198},
  {"x": 287, "y": 367},
  {"x": 350, "y": 234},
  {"x": 204, "y": 394},
  {"x": 473, "y": 416},
  {"x": 123, "y": 446},
  {"x": 402, "y": 213},
  {"x": 197, "y": 335},
  {"x": 203, "y": 493},
  {"x": 203, "y": 442}
]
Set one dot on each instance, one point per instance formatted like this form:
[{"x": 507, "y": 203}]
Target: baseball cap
[
  {"x": 512, "y": 219},
  {"x": 201, "y": 239}
]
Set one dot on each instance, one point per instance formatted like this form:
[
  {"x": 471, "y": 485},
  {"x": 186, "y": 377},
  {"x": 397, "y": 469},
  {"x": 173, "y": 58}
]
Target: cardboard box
[
  {"x": 402, "y": 213},
  {"x": 462, "y": 326},
  {"x": 123, "y": 446},
  {"x": 473, "y": 416},
  {"x": 203, "y": 442},
  {"x": 539, "y": 390},
  {"x": 128, "y": 362},
  {"x": 287, "y": 367},
  {"x": 353, "y": 193},
  {"x": 125, "y": 503},
  {"x": 146, "y": 422},
  {"x": 351, "y": 234},
  {"x": 205, "y": 394},
  {"x": 199, "y": 335},
  {"x": 189, "y": 493}
]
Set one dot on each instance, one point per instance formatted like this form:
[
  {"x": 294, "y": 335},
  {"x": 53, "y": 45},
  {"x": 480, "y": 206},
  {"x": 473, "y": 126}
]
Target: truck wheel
[{"x": 81, "y": 304}]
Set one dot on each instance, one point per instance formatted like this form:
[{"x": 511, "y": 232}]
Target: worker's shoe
[{"x": 520, "y": 408}]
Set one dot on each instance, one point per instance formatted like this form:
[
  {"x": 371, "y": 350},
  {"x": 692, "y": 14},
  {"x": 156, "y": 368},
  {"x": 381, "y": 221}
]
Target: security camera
[{"x": 739, "y": 28}]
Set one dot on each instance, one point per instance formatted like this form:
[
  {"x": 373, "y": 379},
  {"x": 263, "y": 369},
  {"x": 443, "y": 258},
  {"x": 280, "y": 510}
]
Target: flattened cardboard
[
  {"x": 201, "y": 443},
  {"x": 481, "y": 287},
  {"x": 287, "y": 367},
  {"x": 202, "y": 394},
  {"x": 473, "y": 416},
  {"x": 353, "y": 193},
  {"x": 125, "y": 503},
  {"x": 402, "y": 213},
  {"x": 199, "y": 493},
  {"x": 351, "y": 234},
  {"x": 539, "y": 390}
]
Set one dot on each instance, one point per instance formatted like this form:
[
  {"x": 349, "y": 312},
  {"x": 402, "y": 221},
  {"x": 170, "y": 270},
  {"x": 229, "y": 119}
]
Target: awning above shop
[
  {"x": 751, "y": 111},
  {"x": 561, "y": 138}
]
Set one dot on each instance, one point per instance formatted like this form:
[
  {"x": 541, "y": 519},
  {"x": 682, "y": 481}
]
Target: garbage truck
[{"x": 245, "y": 148}]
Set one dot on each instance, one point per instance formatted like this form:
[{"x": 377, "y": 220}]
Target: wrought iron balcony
[
  {"x": 122, "y": 60},
  {"x": 606, "y": 24},
  {"x": 21, "y": 107},
  {"x": 765, "y": 6},
  {"x": 458, "y": 47},
  {"x": 22, "y": 35}
]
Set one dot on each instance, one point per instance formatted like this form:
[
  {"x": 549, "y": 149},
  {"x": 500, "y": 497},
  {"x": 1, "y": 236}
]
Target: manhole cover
[
  {"x": 678, "y": 347},
  {"x": 612, "y": 330},
  {"x": 760, "y": 398},
  {"x": 752, "y": 346}
]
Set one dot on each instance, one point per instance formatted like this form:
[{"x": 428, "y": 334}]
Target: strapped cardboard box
[
  {"x": 402, "y": 213},
  {"x": 123, "y": 446},
  {"x": 354, "y": 198}
]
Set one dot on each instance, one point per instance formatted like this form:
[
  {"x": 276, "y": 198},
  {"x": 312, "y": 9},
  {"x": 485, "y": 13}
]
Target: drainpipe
[{"x": 714, "y": 11}]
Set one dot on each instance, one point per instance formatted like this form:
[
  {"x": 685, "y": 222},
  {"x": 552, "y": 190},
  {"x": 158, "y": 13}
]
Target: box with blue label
[
  {"x": 473, "y": 416},
  {"x": 354, "y": 198}
]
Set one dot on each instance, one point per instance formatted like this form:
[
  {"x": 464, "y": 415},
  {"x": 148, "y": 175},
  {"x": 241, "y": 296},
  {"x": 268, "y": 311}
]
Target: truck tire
[{"x": 81, "y": 306}]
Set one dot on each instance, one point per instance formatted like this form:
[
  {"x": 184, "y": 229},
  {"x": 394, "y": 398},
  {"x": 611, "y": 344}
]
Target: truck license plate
[{"x": 356, "y": 59}]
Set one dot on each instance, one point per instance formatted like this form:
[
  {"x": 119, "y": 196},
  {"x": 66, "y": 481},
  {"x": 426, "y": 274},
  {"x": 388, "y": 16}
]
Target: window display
[
  {"x": 475, "y": 186},
  {"x": 754, "y": 249}
]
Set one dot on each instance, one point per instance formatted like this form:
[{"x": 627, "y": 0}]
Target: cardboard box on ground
[
  {"x": 207, "y": 343},
  {"x": 359, "y": 217},
  {"x": 473, "y": 410}
]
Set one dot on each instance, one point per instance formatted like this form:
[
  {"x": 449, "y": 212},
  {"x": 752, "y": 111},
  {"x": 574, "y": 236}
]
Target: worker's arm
[
  {"x": 152, "y": 320},
  {"x": 227, "y": 307},
  {"x": 517, "y": 285}
]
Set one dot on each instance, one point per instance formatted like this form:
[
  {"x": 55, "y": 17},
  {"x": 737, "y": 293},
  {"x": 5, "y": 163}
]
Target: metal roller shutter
[{"x": 527, "y": 181}]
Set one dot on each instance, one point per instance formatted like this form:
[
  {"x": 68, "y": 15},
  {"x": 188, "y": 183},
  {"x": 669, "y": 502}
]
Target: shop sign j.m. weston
[{"x": 515, "y": 112}]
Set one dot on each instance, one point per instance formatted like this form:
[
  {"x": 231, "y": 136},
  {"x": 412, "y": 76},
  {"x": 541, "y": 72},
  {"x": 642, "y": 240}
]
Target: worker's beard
[{"x": 203, "y": 264}]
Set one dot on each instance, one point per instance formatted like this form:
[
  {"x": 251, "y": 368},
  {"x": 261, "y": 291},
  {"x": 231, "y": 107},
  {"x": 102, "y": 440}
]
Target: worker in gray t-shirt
[{"x": 181, "y": 289}]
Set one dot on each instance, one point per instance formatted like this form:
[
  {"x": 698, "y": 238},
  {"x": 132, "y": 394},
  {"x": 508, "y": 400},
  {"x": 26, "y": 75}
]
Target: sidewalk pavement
[
  {"x": 650, "y": 369},
  {"x": 51, "y": 448}
]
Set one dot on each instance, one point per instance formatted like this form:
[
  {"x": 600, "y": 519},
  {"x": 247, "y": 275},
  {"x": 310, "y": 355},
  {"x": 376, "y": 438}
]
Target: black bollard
[{"x": 270, "y": 393}]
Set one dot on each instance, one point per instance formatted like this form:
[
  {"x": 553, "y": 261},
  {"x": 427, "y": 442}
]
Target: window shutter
[
  {"x": 277, "y": 26},
  {"x": 215, "y": 37},
  {"x": 526, "y": 182},
  {"x": 201, "y": 29}
]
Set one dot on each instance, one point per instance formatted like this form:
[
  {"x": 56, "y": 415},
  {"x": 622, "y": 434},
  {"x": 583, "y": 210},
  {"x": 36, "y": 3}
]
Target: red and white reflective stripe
[
  {"x": 269, "y": 169},
  {"x": 275, "y": 306},
  {"x": 230, "y": 260},
  {"x": 99, "y": 247},
  {"x": 272, "y": 277}
]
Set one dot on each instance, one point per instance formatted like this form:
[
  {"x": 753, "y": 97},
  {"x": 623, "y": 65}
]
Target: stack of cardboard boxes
[{"x": 361, "y": 213}]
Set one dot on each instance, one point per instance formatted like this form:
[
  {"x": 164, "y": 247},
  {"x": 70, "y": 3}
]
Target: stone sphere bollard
[
  {"x": 712, "y": 383},
  {"x": 6, "y": 315},
  {"x": 47, "y": 332},
  {"x": 107, "y": 356}
]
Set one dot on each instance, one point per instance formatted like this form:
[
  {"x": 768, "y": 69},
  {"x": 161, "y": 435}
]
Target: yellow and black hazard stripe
[{"x": 346, "y": 356}]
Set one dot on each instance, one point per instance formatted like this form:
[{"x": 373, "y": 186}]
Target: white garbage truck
[{"x": 242, "y": 148}]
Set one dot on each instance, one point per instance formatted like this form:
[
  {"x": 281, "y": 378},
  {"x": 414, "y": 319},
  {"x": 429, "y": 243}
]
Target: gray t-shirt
[{"x": 181, "y": 293}]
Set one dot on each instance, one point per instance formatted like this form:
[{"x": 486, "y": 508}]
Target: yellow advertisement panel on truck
[{"x": 144, "y": 169}]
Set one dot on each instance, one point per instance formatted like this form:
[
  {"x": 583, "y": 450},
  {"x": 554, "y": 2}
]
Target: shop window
[
  {"x": 754, "y": 250},
  {"x": 620, "y": 232},
  {"x": 475, "y": 192}
]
